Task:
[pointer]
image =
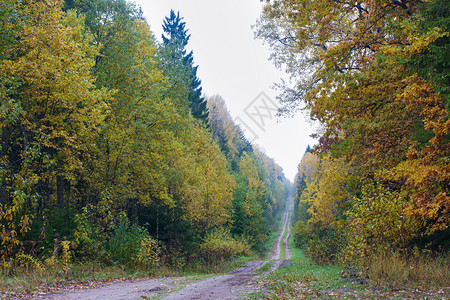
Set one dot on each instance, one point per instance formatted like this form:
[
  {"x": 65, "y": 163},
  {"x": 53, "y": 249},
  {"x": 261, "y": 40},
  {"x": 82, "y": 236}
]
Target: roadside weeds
[{"x": 303, "y": 279}]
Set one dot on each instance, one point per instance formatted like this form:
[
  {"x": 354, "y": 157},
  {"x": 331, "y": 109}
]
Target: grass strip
[
  {"x": 264, "y": 268},
  {"x": 268, "y": 245},
  {"x": 282, "y": 248}
]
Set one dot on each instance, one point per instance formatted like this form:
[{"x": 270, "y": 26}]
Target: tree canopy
[
  {"x": 363, "y": 70},
  {"x": 106, "y": 144}
]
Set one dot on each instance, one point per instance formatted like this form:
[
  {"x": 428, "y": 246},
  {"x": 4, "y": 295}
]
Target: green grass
[
  {"x": 303, "y": 278},
  {"x": 282, "y": 248},
  {"x": 265, "y": 268},
  {"x": 268, "y": 245},
  {"x": 299, "y": 279}
]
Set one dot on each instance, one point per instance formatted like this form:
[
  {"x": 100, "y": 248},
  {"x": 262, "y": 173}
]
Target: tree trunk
[{"x": 60, "y": 191}]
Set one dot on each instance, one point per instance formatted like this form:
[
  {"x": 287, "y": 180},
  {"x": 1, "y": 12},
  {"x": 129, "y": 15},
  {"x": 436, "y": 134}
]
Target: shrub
[
  {"x": 322, "y": 245},
  {"x": 325, "y": 248},
  {"x": 220, "y": 245},
  {"x": 89, "y": 235},
  {"x": 377, "y": 223},
  {"x": 149, "y": 251},
  {"x": 301, "y": 234},
  {"x": 125, "y": 242},
  {"x": 27, "y": 263}
]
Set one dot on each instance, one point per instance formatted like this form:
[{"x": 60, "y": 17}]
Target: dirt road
[
  {"x": 288, "y": 228},
  {"x": 277, "y": 245},
  {"x": 229, "y": 286}
]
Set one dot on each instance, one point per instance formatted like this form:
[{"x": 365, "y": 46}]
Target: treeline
[
  {"x": 107, "y": 143},
  {"x": 375, "y": 75}
]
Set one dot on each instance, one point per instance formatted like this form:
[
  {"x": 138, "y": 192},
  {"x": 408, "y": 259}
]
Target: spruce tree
[{"x": 177, "y": 37}]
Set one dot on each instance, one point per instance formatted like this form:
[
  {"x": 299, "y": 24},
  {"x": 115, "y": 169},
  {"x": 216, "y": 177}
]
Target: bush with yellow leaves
[
  {"x": 220, "y": 245},
  {"x": 150, "y": 251}
]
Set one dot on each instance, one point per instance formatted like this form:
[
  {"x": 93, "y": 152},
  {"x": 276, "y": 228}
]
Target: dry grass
[
  {"x": 413, "y": 270},
  {"x": 29, "y": 276},
  {"x": 26, "y": 275}
]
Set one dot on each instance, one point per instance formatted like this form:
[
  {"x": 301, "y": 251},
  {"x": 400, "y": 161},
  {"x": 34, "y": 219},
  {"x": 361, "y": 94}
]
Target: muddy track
[{"x": 228, "y": 286}]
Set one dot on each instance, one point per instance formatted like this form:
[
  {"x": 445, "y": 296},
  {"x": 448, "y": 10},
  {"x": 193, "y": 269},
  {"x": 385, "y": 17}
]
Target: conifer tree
[{"x": 176, "y": 38}]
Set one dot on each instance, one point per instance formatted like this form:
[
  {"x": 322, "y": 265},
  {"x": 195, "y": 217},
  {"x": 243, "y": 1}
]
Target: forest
[
  {"x": 110, "y": 152},
  {"x": 112, "y": 155},
  {"x": 375, "y": 76}
]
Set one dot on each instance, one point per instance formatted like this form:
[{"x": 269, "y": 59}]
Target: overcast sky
[{"x": 234, "y": 65}]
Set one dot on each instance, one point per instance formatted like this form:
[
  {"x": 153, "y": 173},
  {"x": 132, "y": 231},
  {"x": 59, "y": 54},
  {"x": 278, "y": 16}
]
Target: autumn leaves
[
  {"x": 96, "y": 124},
  {"x": 382, "y": 180}
]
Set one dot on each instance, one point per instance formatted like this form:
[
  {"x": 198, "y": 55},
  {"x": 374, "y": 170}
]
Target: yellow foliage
[
  {"x": 219, "y": 244},
  {"x": 327, "y": 191},
  {"x": 377, "y": 223},
  {"x": 150, "y": 251},
  {"x": 208, "y": 188},
  {"x": 48, "y": 97},
  {"x": 308, "y": 165},
  {"x": 28, "y": 263},
  {"x": 66, "y": 255},
  {"x": 255, "y": 187}
]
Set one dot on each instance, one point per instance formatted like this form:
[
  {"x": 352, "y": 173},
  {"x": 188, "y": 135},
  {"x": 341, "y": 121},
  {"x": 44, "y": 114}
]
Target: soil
[{"x": 229, "y": 286}]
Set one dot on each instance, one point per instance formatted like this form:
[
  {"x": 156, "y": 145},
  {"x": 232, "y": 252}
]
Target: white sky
[{"x": 235, "y": 66}]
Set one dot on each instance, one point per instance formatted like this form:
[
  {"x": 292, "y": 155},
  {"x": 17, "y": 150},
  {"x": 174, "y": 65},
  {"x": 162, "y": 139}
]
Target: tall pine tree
[{"x": 176, "y": 37}]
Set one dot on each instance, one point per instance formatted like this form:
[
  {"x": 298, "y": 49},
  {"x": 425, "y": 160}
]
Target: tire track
[
  {"x": 233, "y": 285},
  {"x": 275, "y": 255}
]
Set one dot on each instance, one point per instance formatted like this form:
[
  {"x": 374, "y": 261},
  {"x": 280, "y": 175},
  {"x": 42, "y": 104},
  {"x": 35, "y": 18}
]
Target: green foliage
[
  {"x": 378, "y": 223},
  {"x": 433, "y": 63},
  {"x": 11, "y": 17},
  {"x": 220, "y": 245},
  {"x": 95, "y": 131},
  {"x": 301, "y": 234},
  {"x": 126, "y": 241},
  {"x": 226, "y": 134},
  {"x": 322, "y": 245},
  {"x": 175, "y": 41},
  {"x": 89, "y": 235},
  {"x": 261, "y": 189},
  {"x": 322, "y": 193},
  {"x": 46, "y": 226},
  {"x": 375, "y": 76}
]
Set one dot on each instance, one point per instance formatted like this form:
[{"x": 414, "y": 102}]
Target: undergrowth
[
  {"x": 305, "y": 279},
  {"x": 27, "y": 275},
  {"x": 413, "y": 270}
]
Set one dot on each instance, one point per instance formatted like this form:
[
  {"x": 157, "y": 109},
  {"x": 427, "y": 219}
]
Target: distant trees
[{"x": 261, "y": 188}]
